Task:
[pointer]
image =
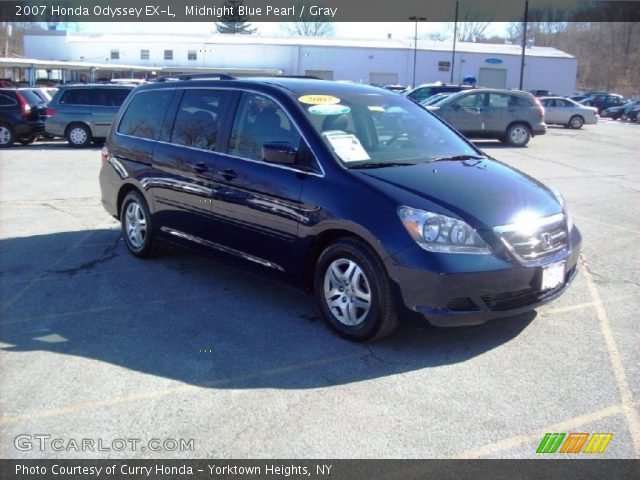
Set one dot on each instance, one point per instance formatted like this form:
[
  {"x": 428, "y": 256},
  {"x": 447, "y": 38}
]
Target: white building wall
[{"x": 557, "y": 74}]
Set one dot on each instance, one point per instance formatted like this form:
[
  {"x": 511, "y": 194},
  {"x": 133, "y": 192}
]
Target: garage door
[
  {"x": 383, "y": 78},
  {"x": 493, "y": 78}
]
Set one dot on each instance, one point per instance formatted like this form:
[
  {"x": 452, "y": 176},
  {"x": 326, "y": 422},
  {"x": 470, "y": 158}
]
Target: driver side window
[{"x": 260, "y": 120}]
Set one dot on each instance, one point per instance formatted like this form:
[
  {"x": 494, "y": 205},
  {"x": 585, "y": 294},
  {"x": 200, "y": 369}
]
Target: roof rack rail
[
  {"x": 310, "y": 77},
  {"x": 195, "y": 76}
]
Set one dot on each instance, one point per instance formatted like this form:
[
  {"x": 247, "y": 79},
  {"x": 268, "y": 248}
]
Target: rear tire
[
  {"x": 78, "y": 135},
  {"x": 518, "y": 135},
  {"x": 576, "y": 122},
  {"x": 7, "y": 137},
  {"x": 137, "y": 229},
  {"x": 353, "y": 291}
]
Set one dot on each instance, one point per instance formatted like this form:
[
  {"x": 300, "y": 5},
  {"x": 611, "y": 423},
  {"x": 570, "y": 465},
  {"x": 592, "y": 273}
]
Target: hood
[{"x": 484, "y": 193}]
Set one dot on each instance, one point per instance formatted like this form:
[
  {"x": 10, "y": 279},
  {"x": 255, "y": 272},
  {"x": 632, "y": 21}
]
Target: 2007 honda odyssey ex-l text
[{"x": 351, "y": 192}]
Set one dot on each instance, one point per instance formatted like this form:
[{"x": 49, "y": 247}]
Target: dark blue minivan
[{"x": 351, "y": 192}]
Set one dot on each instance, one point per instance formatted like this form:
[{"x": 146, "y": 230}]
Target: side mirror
[
  {"x": 279, "y": 152},
  {"x": 455, "y": 106}
]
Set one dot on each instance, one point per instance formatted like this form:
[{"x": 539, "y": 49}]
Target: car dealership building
[{"x": 365, "y": 61}]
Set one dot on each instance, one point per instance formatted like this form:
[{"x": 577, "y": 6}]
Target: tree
[
  {"x": 234, "y": 22},
  {"x": 309, "y": 26}
]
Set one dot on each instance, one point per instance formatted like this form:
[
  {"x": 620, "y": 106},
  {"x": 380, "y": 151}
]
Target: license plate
[{"x": 552, "y": 276}]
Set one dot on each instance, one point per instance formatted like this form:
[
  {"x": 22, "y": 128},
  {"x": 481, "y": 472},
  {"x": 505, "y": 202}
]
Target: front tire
[
  {"x": 353, "y": 291},
  {"x": 137, "y": 229},
  {"x": 518, "y": 135},
  {"x": 576, "y": 122},
  {"x": 7, "y": 137},
  {"x": 78, "y": 135}
]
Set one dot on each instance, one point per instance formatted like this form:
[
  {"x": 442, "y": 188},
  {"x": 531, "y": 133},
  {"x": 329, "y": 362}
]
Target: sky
[{"x": 361, "y": 30}]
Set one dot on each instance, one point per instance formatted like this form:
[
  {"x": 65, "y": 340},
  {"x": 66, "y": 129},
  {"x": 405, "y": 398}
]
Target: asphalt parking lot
[{"x": 98, "y": 345}]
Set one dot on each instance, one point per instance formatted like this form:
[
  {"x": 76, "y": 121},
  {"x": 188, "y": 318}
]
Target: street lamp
[{"x": 415, "y": 45}]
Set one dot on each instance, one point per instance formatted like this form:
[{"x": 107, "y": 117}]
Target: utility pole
[
  {"x": 415, "y": 46},
  {"x": 524, "y": 41},
  {"x": 455, "y": 35}
]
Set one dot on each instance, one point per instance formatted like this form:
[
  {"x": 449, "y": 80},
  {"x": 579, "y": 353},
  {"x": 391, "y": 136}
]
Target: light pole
[
  {"x": 525, "y": 20},
  {"x": 415, "y": 46},
  {"x": 455, "y": 34}
]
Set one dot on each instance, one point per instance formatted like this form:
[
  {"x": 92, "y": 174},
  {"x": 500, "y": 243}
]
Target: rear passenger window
[
  {"x": 117, "y": 96},
  {"x": 145, "y": 114},
  {"x": 260, "y": 120},
  {"x": 7, "y": 101},
  {"x": 199, "y": 118},
  {"x": 518, "y": 102},
  {"x": 499, "y": 100},
  {"x": 80, "y": 96}
]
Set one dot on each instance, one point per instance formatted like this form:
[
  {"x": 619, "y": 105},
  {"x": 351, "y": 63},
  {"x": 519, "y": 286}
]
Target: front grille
[
  {"x": 522, "y": 298},
  {"x": 542, "y": 240},
  {"x": 462, "y": 304}
]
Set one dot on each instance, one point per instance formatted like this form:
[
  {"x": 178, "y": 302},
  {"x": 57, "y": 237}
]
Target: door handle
[
  {"x": 198, "y": 167},
  {"x": 228, "y": 174}
]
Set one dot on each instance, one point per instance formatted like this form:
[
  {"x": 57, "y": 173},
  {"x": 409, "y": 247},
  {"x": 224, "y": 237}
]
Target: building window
[
  {"x": 192, "y": 55},
  {"x": 168, "y": 54},
  {"x": 444, "y": 66},
  {"x": 144, "y": 54},
  {"x": 115, "y": 54}
]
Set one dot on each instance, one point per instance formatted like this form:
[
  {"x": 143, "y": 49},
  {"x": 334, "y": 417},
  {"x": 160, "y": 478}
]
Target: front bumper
[{"x": 450, "y": 290}]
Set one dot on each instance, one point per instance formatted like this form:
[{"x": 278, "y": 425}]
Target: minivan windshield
[{"x": 381, "y": 130}]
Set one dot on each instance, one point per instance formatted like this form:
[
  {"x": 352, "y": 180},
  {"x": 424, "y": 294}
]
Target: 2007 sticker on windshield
[
  {"x": 346, "y": 145},
  {"x": 318, "y": 99}
]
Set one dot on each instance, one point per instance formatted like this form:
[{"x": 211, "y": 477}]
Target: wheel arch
[{"x": 332, "y": 234}]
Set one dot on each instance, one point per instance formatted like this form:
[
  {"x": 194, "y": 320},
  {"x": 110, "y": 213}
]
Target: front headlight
[{"x": 438, "y": 233}]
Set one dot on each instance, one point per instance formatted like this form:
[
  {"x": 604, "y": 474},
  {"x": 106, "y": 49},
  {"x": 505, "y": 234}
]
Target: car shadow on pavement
[{"x": 197, "y": 320}]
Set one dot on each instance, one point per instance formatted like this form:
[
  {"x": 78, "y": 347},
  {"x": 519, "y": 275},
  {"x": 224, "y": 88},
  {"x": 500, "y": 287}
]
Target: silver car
[
  {"x": 512, "y": 116},
  {"x": 564, "y": 111},
  {"x": 84, "y": 113}
]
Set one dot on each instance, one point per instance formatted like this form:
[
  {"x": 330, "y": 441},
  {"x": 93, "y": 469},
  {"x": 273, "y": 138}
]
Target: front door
[
  {"x": 257, "y": 204},
  {"x": 466, "y": 115}
]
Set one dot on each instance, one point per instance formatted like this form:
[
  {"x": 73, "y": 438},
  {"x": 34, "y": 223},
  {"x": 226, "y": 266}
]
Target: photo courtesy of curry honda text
[{"x": 352, "y": 192}]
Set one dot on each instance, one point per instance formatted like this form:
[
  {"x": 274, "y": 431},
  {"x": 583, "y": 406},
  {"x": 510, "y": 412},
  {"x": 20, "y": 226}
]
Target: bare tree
[{"x": 309, "y": 25}]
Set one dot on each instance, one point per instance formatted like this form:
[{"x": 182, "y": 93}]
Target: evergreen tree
[{"x": 234, "y": 23}]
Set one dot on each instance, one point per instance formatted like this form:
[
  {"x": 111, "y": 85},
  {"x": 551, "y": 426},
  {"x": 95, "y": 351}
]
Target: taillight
[
  {"x": 50, "y": 112},
  {"x": 540, "y": 107},
  {"x": 104, "y": 154},
  {"x": 24, "y": 106}
]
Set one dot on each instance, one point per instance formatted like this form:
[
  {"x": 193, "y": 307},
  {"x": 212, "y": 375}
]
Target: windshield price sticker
[
  {"x": 346, "y": 146},
  {"x": 329, "y": 109},
  {"x": 318, "y": 99}
]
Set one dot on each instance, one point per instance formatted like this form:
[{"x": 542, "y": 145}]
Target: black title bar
[{"x": 320, "y": 10}]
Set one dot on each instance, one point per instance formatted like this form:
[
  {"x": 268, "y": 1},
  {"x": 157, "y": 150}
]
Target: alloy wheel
[
  {"x": 135, "y": 225},
  {"x": 347, "y": 292}
]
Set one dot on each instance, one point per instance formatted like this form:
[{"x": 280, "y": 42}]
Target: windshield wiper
[
  {"x": 458, "y": 157},
  {"x": 382, "y": 164}
]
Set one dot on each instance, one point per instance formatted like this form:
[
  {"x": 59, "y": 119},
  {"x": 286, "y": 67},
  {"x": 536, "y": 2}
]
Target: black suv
[
  {"x": 21, "y": 116},
  {"x": 423, "y": 92},
  {"x": 352, "y": 192}
]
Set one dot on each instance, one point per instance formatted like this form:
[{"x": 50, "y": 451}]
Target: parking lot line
[
  {"x": 45, "y": 272},
  {"x": 566, "y": 425},
  {"x": 78, "y": 407},
  {"x": 630, "y": 413}
]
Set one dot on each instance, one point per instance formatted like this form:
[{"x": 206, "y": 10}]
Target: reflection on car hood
[{"x": 484, "y": 193}]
